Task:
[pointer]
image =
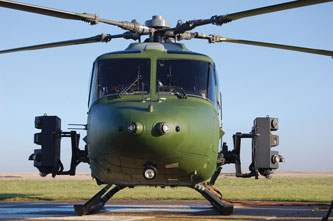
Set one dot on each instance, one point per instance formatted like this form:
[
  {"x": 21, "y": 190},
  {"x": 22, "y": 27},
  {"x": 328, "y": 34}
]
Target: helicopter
[{"x": 154, "y": 126}]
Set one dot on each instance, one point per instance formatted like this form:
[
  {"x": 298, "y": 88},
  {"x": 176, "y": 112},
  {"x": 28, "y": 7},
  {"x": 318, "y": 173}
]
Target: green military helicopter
[{"x": 155, "y": 111}]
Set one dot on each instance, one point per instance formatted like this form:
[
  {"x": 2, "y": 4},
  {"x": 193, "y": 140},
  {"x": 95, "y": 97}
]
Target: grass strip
[{"x": 276, "y": 189}]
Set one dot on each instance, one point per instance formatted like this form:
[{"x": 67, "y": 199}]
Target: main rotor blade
[
  {"x": 272, "y": 8},
  {"x": 222, "y": 19},
  {"x": 216, "y": 38},
  {"x": 97, "y": 38},
  {"x": 280, "y": 46},
  {"x": 91, "y": 18}
]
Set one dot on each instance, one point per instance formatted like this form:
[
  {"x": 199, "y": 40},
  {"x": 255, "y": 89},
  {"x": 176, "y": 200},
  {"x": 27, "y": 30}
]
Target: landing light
[
  {"x": 164, "y": 128},
  {"x": 150, "y": 173}
]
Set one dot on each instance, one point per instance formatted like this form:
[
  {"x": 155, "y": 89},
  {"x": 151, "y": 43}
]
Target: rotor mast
[{"x": 159, "y": 24}]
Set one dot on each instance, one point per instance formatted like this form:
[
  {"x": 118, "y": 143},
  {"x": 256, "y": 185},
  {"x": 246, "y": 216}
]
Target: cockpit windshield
[
  {"x": 183, "y": 77},
  {"x": 121, "y": 76},
  {"x": 131, "y": 76}
]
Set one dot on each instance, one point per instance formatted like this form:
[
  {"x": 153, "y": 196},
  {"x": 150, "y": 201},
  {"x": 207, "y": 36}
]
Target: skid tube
[
  {"x": 215, "y": 198},
  {"x": 98, "y": 201}
]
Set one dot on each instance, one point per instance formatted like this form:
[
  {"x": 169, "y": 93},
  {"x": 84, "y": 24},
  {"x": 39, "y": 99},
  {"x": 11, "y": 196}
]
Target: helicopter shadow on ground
[{"x": 28, "y": 197}]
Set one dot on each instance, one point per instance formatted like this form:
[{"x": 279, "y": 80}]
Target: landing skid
[
  {"x": 98, "y": 201},
  {"x": 215, "y": 198}
]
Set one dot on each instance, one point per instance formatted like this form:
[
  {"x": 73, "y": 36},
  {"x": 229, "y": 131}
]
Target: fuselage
[{"x": 160, "y": 111}]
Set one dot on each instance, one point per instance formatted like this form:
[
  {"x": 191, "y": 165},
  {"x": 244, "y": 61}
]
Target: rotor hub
[{"x": 157, "y": 22}]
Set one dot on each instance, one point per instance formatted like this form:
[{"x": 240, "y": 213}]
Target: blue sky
[{"x": 294, "y": 87}]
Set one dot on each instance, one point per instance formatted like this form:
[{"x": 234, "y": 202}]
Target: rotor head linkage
[
  {"x": 135, "y": 27},
  {"x": 190, "y": 25}
]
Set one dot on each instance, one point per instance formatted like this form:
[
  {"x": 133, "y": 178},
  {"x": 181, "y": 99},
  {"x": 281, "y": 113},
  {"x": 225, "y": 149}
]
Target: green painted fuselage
[{"x": 184, "y": 156}]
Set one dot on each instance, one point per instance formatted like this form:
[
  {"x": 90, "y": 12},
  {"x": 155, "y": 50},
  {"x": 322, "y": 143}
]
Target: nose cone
[
  {"x": 125, "y": 138},
  {"x": 133, "y": 131}
]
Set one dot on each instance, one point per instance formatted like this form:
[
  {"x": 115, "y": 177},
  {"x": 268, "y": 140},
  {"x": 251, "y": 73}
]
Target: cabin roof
[{"x": 170, "y": 48}]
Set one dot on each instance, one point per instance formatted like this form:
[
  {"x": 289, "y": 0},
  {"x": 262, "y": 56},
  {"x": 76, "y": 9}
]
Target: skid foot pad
[
  {"x": 80, "y": 210},
  {"x": 223, "y": 207},
  {"x": 215, "y": 198}
]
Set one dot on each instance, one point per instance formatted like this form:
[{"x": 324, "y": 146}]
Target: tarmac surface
[{"x": 164, "y": 210}]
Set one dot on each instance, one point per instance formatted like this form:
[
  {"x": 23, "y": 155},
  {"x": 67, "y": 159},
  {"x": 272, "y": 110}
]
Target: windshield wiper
[
  {"x": 179, "y": 88},
  {"x": 121, "y": 93}
]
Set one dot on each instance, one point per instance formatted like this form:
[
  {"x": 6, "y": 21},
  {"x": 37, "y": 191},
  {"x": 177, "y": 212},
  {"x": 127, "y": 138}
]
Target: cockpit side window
[
  {"x": 121, "y": 76},
  {"x": 218, "y": 91},
  {"x": 212, "y": 85},
  {"x": 93, "y": 84}
]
